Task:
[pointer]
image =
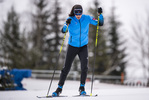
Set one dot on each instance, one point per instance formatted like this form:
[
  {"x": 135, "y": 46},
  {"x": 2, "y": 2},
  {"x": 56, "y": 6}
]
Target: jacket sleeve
[
  {"x": 101, "y": 20},
  {"x": 63, "y": 30},
  {"x": 93, "y": 21}
]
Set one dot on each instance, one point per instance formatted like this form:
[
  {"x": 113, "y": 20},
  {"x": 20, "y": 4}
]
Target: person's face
[{"x": 78, "y": 16}]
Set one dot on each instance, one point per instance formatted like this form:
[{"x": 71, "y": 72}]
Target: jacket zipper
[
  {"x": 71, "y": 39},
  {"x": 80, "y": 33}
]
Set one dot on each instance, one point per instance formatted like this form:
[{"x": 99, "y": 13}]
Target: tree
[
  {"x": 41, "y": 29},
  {"x": 46, "y": 33},
  {"x": 117, "y": 55},
  {"x": 13, "y": 47},
  {"x": 141, "y": 44},
  {"x": 101, "y": 52},
  {"x": 56, "y": 41}
]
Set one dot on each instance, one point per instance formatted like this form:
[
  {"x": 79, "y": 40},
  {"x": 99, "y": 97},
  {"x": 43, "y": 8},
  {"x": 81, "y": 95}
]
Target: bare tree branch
[{"x": 141, "y": 39}]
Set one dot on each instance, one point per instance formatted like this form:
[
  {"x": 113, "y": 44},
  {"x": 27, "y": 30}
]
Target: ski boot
[
  {"x": 57, "y": 92},
  {"x": 82, "y": 90}
]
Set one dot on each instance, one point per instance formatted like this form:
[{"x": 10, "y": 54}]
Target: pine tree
[
  {"x": 117, "y": 55},
  {"x": 1, "y": 49},
  {"x": 101, "y": 62},
  {"x": 13, "y": 48},
  {"x": 40, "y": 32},
  {"x": 46, "y": 33},
  {"x": 56, "y": 41}
]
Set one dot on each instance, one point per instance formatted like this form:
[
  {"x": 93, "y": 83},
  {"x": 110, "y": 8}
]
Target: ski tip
[
  {"x": 38, "y": 97},
  {"x": 43, "y": 96},
  {"x": 91, "y": 95}
]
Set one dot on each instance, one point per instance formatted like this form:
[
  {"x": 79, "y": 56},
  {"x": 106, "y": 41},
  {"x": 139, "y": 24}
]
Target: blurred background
[{"x": 30, "y": 40}]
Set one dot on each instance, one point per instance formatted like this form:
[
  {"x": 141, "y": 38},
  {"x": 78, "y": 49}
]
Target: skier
[{"x": 78, "y": 27}]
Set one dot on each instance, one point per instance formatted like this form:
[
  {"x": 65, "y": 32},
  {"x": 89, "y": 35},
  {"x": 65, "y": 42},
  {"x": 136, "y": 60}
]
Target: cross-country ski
[
  {"x": 50, "y": 96},
  {"x": 85, "y": 95}
]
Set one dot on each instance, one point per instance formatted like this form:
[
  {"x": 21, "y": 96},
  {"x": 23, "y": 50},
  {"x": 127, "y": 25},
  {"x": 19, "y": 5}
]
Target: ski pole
[
  {"x": 94, "y": 56},
  {"x": 57, "y": 60}
]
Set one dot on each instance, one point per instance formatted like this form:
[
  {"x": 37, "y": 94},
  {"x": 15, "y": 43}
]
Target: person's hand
[
  {"x": 99, "y": 11},
  {"x": 68, "y": 21}
]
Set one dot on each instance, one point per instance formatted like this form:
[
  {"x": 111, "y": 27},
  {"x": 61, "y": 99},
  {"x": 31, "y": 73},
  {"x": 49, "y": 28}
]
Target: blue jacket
[{"x": 78, "y": 29}]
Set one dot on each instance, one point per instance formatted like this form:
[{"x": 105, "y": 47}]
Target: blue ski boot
[
  {"x": 82, "y": 90},
  {"x": 58, "y": 91}
]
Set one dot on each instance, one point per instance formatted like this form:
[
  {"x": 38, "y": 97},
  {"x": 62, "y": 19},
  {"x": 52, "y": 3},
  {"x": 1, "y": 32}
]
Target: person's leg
[
  {"x": 71, "y": 53},
  {"x": 83, "y": 55}
]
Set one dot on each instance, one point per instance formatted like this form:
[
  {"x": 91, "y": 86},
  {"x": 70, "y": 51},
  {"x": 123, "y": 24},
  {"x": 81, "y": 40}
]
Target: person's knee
[
  {"x": 65, "y": 71},
  {"x": 85, "y": 69}
]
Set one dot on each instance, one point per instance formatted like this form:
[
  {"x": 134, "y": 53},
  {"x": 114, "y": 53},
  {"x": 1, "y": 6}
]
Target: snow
[{"x": 37, "y": 87}]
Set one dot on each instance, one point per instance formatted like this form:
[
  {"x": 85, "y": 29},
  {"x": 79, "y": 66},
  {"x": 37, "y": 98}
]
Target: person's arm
[
  {"x": 93, "y": 21},
  {"x": 101, "y": 19},
  {"x": 64, "y": 29}
]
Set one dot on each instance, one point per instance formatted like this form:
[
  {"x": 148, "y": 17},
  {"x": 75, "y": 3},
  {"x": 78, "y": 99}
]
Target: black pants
[{"x": 82, "y": 52}]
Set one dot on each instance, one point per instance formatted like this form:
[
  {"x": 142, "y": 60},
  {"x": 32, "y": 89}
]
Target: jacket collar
[{"x": 82, "y": 17}]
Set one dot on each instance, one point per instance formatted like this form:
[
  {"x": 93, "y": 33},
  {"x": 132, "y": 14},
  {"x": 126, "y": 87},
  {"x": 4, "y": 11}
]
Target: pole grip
[{"x": 97, "y": 33}]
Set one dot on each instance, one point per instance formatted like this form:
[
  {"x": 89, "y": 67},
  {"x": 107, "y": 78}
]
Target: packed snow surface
[{"x": 38, "y": 87}]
